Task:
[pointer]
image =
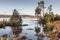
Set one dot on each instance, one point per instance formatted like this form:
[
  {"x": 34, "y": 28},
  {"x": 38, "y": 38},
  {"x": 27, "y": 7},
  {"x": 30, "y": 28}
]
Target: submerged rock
[
  {"x": 29, "y": 28},
  {"x": 24, "y": 24}
]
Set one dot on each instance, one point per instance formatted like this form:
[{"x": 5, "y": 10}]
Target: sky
[{"x": 26, "y": 6}]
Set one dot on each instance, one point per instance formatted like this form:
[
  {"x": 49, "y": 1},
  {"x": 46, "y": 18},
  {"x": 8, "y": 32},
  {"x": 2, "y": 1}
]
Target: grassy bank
[{"x": 55, "y": 24}]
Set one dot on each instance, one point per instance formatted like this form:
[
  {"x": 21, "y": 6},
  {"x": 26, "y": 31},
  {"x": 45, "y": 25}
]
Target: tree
[
  {"x": 50, "y": 9},
  {"x": 47, "y": 18},
  {"x": 57, "y": 17},
  {"x": 40, "y": 8},
  {"x": 41, "y": 5},
  {"x": 15, "y": 13},
  {"x": 16, "y": 18},
  {"x": 52, "y": 16},
  {"x": 37, "y": 11}
]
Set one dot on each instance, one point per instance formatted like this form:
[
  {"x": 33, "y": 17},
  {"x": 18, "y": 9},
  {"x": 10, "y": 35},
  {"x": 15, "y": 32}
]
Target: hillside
[{"x": 23, "y": 16}]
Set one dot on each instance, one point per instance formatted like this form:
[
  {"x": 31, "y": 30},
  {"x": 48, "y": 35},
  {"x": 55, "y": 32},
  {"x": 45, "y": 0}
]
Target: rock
[
  {"x": 41, "y": 35},
  {"x": 29, "y": 28},
  {"x": 22, "y": 36},
  {"x": 30, "y": 39},
  {"x": 25, "y": 25}
]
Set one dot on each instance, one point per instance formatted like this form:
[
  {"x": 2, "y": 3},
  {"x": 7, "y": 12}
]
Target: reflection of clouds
[
  {"x": 5, "y": 31},
  {"x": 29, "y": 21}
]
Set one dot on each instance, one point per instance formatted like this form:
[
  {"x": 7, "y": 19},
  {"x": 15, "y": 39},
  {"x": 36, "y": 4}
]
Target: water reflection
[
  {"x": 16, "y": 30},
  {"x": 37, "y": 30}
]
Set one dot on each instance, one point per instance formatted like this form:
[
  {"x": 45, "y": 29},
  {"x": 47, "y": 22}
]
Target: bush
[{"x": 48, "y": 28}]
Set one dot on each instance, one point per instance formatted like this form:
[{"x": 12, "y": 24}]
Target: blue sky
[{"x": 26, "y": 6}]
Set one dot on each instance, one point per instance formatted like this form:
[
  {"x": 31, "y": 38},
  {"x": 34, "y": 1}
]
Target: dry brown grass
[{"x": 55, "y": 24}]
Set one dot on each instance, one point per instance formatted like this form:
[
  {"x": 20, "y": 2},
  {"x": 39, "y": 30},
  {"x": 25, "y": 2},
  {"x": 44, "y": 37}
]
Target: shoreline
[{"x": 23, "y": 16}]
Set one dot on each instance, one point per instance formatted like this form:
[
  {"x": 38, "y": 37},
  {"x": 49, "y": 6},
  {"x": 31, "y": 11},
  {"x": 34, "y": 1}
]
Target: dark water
[{"x": 32, "y": 23}]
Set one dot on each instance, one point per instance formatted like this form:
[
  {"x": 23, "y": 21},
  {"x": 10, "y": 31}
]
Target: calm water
[{"x": 32, "y": 23}]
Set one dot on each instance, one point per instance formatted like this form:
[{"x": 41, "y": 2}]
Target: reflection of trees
[
  {"x": 16, "y": 30},
  {"x": 40, "y": 37},
  {"x": 37, "y": 30}
]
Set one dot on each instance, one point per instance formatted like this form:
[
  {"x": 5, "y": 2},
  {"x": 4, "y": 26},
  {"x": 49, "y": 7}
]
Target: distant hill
[
  {"x": 28, "y": 16},
  {"x": 23, "y": 16}
]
